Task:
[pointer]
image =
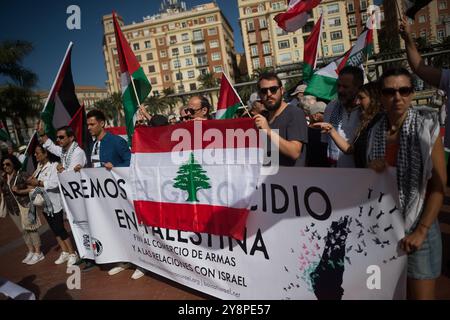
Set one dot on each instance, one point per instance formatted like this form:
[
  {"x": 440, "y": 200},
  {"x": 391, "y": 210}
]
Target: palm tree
[
  {"x": 12, "y": 54},
  {"x": 258, "y": 72},
  {"x": 208, "y": 81},
  {"x": 246, "y": 91},
  {"x": 155, "y": 104},
  {"x": 170, "y": 101}
]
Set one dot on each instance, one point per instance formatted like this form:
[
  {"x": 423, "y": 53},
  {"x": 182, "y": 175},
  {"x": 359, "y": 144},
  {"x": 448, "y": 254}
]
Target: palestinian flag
[
  {"x": 134, "y": 83},
  {"x": 413, "y": 6},
  {"x": 196, "y": 185},
  {"x": 229, "y": 100},
  {"x": 62, "y": 103},
  {"x": 312, "y": 49},
  {"x": 4, "y": 136},
  {"x": 323, "y": 82},
  {"x": 79, "y": 126},
  {"x": 118, "y": 131},
  {"x": 296, "y": 15}
]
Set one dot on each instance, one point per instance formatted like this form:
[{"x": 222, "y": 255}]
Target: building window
[
  {"x": 212, "y": 31},
  {"x": 192, "y": 86},
  {"x": 165, "y": 66},
  {"x": 135, "y": 46},
  {"x": 135, "y": 34},
  {"x": 337, "y": 48},
  {"x": 256, "y": 64},
  {"x": 352, "y": 20},
  {"x": 266, "y": 48},
  {"x": 211, "y": 19},
  {"x": 363, "y": 4},
  {"x": 218, "y": 69},
  {"x": 333, "y": 8},
  {"x": 250, "y": 25},
  {"x": 351, "y": 6},
  {"x": 252, "y": 37},
  {"x": 202, "y": 60},
  {"x": 441, "y": 34},
  {"x": 422, "y": 19},
  {"x": 163, "y": 53},
  {"x": 161, "y": 41},
  {"x": 176, "y": 64},
  {"x": 262, "y": 23},
  {"x": 138, "y": 58},
  {"x": 268, "y": 61},
  {"x": 175, "y": 51},
  {"x": 153, "y": 80},
  {"x": 204, "y": 71},
  {"x": 294, "y": 40},
  {"x": 284, "y": 44},
  {"x": 149, "y": 56},
  {"x": 363, "y": 18},
  {"x": 325, "y": 50},
  {"x": 442, "y": 5},
  {"x": 353, "y": 32},
  {"x": 214, "y": 44},
  {"x": 248, "y": 10},
  {"x": 179, "y": 76},
  {"x": 184, "y": 24},
  {"x": 187, "y": 49},
  {"x": 285, "y": 57},
  {"x": 151, "y": 69},
  {"x": 324, "y": 36},
  {"x": 114, "y": 50},
  {"x": 336, "y": 35},
  {"x": 166, "y": 78},
  {"x": 264, "y": 35},
  {"x": 191, "y": 74},
  {"x": 277, "y": 5},
  {"x": 185, "y": 37},
  {"x": 215, "y": 56},
  {"x": 148, "y": 44},
  {"x": 334, "y": 22},
  {"x": 189, "y": 61},
  {"x": 198, "y": 35},
  {"x": 261, "y": 8},
  {"x": 199, "y": 48},
  {"x": 254, "y": 50},
  {"x": 173, "y": 39},
  {"x": 280, "y": 32}
]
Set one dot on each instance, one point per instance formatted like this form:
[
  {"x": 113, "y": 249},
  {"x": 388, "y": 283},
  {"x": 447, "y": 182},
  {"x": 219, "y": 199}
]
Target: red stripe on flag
[
  {"x": 312, "y": 45},
  {"x": 201, "y": 218},
  {"x": 299, "y": 8},
  {"x": 127, "y": 59},
  {"x": 118, "y": 131},
  {"x": 227, "y": 96},
  {"x": 159, "y": 139}
]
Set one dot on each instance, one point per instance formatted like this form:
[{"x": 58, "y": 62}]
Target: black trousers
[{"x": 56, "y": 224}]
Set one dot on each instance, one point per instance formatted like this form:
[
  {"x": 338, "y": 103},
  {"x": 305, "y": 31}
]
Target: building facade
[
  {"x": 266, "y": 45},
  {"x": 174, "y": 47},
  {"x": 87, "y": 95}
]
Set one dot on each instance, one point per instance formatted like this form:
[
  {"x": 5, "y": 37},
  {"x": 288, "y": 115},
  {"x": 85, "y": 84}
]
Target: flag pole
[
  {"x": 398, "y": 9},
  {"x": 321, "y": 43},
  {"x": 235, "y": 92}
]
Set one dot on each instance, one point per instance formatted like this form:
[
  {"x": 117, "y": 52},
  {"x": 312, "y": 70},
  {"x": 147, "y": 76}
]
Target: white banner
[{"x": 314, "y": 233}]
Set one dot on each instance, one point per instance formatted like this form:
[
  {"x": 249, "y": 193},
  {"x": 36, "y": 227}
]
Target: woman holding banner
[{"x": 408, "y": 139}]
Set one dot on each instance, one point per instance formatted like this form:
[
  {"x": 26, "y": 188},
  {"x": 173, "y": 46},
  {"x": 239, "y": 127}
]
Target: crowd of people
[{"x": 372, "y": 125}]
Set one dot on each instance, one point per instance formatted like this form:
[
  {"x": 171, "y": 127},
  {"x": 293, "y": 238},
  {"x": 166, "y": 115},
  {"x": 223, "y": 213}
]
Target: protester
[
  {"x": 159, "y": 120},
  {"x": 344, "y": 115},
  {"x": 45, "y": 185},
  {"x": 184, "y": 116},
  {"x": 368, "y": 98},
  {"x": 287, "y": 119},
  {"x": 68, "y": 151},
  {"x": 255, "y": 105},
  {"x": 316, "y": 150},
  {"x": 408, "y": 139},
  {"x": 143, "y": 117},
  {"x": 298, "y": 96},
  {"x": 12, "y": 184},
  {"x": 199, "y": 108},
  {"x": 172, "y": 119}
]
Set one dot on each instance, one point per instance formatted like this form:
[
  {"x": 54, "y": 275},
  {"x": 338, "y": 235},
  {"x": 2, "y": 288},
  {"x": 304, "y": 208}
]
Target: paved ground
[{"x": 48, "y": 281}]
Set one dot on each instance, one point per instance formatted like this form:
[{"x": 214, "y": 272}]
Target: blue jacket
[{"x": 114, "y": 149}]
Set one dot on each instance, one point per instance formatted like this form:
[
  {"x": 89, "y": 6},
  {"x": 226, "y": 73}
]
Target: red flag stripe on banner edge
[
  {"x": 159, "y": 139},
  {"x": 203, "y": 218}
]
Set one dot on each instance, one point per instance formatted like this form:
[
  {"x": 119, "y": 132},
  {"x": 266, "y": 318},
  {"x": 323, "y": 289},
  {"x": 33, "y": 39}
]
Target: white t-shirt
[
  {"x": 445, "y": 86},
  {"x": 95, "y": 155}
]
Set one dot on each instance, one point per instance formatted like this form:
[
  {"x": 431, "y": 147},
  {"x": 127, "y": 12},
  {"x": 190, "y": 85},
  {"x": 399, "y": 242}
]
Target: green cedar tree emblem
[{"x": 191, "y": 178}]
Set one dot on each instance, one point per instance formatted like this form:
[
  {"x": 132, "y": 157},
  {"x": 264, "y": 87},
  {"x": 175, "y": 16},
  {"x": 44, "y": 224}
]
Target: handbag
[
  {"x": 38, "y": 200},
  {"x": 25, "y": 219}
]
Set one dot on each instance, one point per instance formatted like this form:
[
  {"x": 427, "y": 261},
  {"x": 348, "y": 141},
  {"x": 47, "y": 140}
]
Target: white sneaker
[
  {"x": 137, "y": 274},
  {"x": 63, "y": 257},
  {"x": 119, "y": 268},
  {"x": 36, "y": 258},
  {"x": 72, "y": 259},
  {"x": 28, "y": 257}
]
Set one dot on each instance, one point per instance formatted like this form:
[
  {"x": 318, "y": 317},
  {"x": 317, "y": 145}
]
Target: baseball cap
[{"x": 299, "y": 89}]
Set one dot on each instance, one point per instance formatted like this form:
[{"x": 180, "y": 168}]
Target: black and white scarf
[
  {"x": 417, "y": 136},
  {"x": 66, "y": 156},
  {"x": 48, "y": 207},
  {"x": 336, "y": 117}
]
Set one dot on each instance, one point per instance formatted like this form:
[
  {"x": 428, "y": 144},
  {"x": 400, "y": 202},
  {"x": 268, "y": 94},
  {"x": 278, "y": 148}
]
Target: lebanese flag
[
  {"x": 62, "y": 103},
  {"x": 312, "y": 49},
  {"x": 195, "y": 176},
  {"x": 4, "y": 136},
  {"x": 323, "y": 82},
  {"x": 118, "y": 131},
  {"x": 229, "y": 100},
  {"x": 133, "y": 93},
  {"x": 296, "y": 15},
  {"x": 414, "y": 6}
]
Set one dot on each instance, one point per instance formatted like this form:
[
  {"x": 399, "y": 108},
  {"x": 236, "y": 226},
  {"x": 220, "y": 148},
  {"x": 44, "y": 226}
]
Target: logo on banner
[
  {"x": 86, "y": 242},
  {"x": 97, "y": 247}
]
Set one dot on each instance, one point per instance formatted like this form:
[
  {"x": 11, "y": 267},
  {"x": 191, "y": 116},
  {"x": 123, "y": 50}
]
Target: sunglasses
[
  {"x": 265, "y": 91},
  {"x": 390, "y": 92},
  {"x": 185, "y": 118},
  {"x": 192, "y": 110},
  {"x": 6, "y": 164},
  {"x": 60, "y": 137}
]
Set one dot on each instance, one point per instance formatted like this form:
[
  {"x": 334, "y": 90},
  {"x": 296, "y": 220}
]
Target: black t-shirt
[
  {"x": 316, "y": 150},
  {"x": 291, "y": 125}
]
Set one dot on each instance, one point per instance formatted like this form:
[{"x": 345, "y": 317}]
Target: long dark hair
[
  {"x": 372, "y": 90},
  {"x": 15, "y": 162}
]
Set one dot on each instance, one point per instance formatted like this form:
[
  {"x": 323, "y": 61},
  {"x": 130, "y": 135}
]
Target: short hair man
[
  {"x": 255, "y": 105},
  {"x": 198, "y": 108},
  {"x": 288, "y": 120},
  {"x": 67, "y": 150},
  {"x": 344, "y": 114},
  {"x": 108, "y": 149}
]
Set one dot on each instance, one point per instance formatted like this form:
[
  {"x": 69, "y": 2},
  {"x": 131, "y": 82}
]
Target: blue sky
[{"x": 43, "y": 23}]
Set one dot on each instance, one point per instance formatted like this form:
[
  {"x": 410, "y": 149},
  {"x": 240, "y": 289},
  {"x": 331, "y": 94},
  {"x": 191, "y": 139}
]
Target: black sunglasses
[
  {"x": 192, "y": 110},
  {"x": 6, "y": 164},
  {"x": 390, "y": 92},
  {"x": 273, "y": 90},
  {"x": 185, "y": 118}
]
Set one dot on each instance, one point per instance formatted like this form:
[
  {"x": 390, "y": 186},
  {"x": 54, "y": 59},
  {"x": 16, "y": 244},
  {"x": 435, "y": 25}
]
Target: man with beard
[
  {"x": 285, "y": 124},
  {"x": 344, "y": 114}
]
